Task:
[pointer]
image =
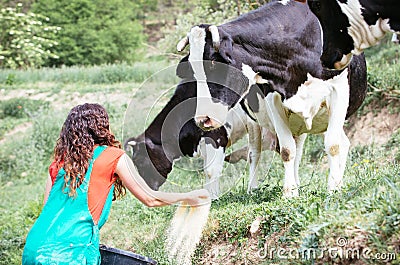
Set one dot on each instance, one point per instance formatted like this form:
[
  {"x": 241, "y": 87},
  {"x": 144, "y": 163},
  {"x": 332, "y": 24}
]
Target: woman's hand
[{"x": 197, "y": 198}]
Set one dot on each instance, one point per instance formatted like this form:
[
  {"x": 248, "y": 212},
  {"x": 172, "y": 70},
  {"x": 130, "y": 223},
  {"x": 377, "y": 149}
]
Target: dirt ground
[{"x": 372, "y": 128}]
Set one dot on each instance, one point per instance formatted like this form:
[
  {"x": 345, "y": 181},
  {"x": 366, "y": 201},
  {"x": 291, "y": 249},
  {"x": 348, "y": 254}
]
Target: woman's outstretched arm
[{"x": 131, "y": 179}]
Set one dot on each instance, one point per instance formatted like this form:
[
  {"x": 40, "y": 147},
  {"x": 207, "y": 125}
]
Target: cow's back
[{"x": 281, "y": 42}]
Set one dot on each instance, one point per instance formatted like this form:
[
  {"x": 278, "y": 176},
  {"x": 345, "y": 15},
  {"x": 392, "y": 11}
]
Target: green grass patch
[
  {"x": 103, "y": 74},
  {"x": 365, "y": 213},
  {"x": 21, "y": 107},
  {"x": 16, "y": 111}
]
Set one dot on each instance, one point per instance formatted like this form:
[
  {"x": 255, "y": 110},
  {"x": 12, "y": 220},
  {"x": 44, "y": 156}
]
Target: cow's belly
[{"x": 298, "y": 126}]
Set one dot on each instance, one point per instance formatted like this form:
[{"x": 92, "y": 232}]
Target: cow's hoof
[
  {"x": 290, "y": 192},
  {"x": 251, "y": 188},
  {"x": 333, "y": 187}
]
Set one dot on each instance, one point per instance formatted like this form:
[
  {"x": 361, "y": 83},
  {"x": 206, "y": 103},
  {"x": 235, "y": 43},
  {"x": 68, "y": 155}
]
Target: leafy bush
[
  {"x": 26, "y": 40},
  {"x": 210, "y": 12},
  {"x": 7, "y": 124},
  {"x": 94, "y": 31},
  {"x": 383, "y": 78}
]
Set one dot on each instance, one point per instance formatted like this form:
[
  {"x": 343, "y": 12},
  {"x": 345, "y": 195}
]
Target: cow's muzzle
[{"x": 206, "y": 123}]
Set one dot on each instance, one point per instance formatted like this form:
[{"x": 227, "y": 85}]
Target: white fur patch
[
  {"x": 213, "y": 166},
  {"x": 284, "y": 2},
  {"x": 254, "y": 78},
  {"x": 344, "y": 61},
  {"x": 363, "y": 35},
  {"x": 206, "y": 107},
  {"x": 215, "y": 36},
  {"x": 309, "y": 99}
]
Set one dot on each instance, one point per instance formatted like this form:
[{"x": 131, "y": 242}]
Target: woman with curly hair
[{"x": 89, "y": 170}]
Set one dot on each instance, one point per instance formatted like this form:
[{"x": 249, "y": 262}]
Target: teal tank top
[{"x": 65, "y": 232}]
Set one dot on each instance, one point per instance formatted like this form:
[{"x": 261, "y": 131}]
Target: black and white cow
[
  {"x": 173, "y": 134},
  {"x": 350, "y": 26},
  {"x": 260, "y": 60}
]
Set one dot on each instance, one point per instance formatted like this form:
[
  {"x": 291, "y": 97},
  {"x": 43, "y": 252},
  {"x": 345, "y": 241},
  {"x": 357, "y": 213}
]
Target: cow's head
[
  {"x": 338, "y": 44},
  {"x": 150, "y": 161},
  {"x": 210, "y": 63}
]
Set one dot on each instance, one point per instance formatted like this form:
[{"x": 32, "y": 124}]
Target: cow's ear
[
  {"x": 132, "y": 143},
  {"x": 138, "y": 149},
  {"x": 226, "y": 47},
  {"x": 184, "y": 70},
  {"x": 129, "y": 143},
  {"x": 130, "y": 146}
]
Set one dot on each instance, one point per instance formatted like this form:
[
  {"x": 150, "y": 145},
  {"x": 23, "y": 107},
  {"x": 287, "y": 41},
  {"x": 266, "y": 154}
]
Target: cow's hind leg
[
  {"x": 337, "y": 154},
  {"x": 336, "y": 142},
  {"x": 299, "y": 153},
  {"x": 345, "y": 146},
  {"x": 254, "y": 154}
]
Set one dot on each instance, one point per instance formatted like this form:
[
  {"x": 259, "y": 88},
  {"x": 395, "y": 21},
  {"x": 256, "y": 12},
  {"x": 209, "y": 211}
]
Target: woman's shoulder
[{"x": 113, "y": 152}]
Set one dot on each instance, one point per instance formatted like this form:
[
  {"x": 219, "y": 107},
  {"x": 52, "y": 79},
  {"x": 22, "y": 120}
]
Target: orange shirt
[{"x": 101, "y": 179}]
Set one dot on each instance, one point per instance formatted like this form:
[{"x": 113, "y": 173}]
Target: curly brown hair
[{"x": 87, "y": 125}]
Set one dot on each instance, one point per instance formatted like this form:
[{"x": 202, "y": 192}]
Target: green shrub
[
  {"x": 211, "y": 12},
  {"x": 94, "y": 31},
  {"x": 26, "y": 39},
  {"x": 7, "y": 124},
  {"x": 44, "y": 136}
]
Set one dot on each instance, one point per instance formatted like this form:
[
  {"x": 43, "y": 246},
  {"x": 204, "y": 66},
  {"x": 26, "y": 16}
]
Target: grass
[
  {"x": 365, "y": 214},
  {"x": 16, "y": 111},
  {"x": 103, "y": 74}
]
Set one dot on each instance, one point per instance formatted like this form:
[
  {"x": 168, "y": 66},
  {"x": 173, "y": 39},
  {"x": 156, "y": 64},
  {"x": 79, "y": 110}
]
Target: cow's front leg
[
  {"x": 254, "y": 154},
  {"x": 299, "y": 153},
  {"x": 213, "y": 165},
  {"x": 286, "y": 141}
]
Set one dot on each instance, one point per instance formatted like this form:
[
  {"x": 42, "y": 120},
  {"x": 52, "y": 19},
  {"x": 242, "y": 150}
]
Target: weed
[
  {"x": 103, "y": 74},
  {"x": 21, "y": 107}
]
